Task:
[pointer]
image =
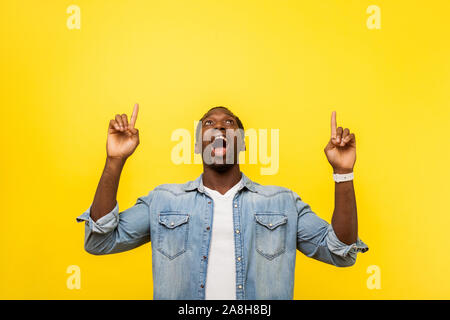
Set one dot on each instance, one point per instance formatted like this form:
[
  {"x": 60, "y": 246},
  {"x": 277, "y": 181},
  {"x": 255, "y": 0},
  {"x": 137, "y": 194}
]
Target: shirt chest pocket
[
  {"x": 270, "y": 234},
  {"x": 173, "y": 229}
]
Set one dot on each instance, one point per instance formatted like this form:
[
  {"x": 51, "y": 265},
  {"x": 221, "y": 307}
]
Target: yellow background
[{"x": 277, "y": 64}]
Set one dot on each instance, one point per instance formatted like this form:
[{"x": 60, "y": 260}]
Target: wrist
[
  {"x": 343, "y": 177},
  {"x": 342, "y": 170},
  {"x": 115, "y": 162}
]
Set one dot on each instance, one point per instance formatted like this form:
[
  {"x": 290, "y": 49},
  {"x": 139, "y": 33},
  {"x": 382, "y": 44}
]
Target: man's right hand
[{"x": 123, "y": 137}]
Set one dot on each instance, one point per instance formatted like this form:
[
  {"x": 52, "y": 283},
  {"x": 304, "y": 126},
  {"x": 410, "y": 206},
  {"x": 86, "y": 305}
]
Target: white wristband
[{"x": 342, "y": 177}]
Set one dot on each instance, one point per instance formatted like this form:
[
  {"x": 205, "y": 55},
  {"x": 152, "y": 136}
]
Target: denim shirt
[{"x": 270, "y": 224}]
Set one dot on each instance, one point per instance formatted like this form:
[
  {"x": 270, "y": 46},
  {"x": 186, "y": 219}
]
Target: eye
[
  {"x": 229, "y": 121},
  {"x": 207, "y": 122}
]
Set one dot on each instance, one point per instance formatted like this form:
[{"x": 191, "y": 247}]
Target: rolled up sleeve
[
  {"x": 317, "y": 239},
  {"x": 117, "y": 232},
  {"x": 105, "y": 224},
  {"x": 341, "y": 249}
]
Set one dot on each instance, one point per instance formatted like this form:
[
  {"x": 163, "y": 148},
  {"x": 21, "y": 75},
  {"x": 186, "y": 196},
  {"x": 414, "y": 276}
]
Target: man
[{"x": 223, "y": 236}]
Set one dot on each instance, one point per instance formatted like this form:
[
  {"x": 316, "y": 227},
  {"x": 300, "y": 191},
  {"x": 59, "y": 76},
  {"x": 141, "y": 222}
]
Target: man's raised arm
[
  {"x": 107, "y": 231},
  {"x": 123, "y": 138},
  {"x": 341, "y": 154}
]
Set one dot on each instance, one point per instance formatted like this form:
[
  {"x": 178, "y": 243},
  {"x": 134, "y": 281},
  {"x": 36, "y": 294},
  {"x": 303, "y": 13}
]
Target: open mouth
[{"x": 219, "y": 145}]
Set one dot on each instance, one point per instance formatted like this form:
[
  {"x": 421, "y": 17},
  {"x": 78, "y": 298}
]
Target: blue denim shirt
[{"x": 270, "y": 224}]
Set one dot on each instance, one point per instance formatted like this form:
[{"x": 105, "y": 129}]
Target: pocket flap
[
  {"x": 270, "y": 221},
  {"x": 173, "y": 220}
]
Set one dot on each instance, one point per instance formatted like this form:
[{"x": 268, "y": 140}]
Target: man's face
[{"x": 220, "y": 142}]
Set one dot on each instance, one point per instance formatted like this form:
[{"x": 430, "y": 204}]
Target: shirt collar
[{"x": 197, "y": 184}]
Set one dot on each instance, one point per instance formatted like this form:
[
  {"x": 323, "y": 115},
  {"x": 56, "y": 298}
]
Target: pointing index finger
[
  {"x": 134, "y": 115},
  {"x": 333, "y": 125}
]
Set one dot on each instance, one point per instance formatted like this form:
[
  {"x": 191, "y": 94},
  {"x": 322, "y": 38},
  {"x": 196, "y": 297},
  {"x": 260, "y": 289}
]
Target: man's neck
[{"x": 221, "y": 181}]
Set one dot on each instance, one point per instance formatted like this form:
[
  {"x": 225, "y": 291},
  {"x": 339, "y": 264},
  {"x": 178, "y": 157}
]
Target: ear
[
  {"x": 197, "y": 148},
  {"x": 242, "y": 146}
]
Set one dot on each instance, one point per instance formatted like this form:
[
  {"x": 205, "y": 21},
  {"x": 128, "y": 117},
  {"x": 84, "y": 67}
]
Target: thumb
[
  {"x": 133, "y": 131},
  {"x": 329, "y": 146}
]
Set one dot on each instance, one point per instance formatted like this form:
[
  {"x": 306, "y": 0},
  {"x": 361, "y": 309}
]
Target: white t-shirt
[{"x": 221, "y": 272}]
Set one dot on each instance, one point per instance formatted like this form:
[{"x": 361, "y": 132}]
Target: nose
[{"x": 219, "y": 126}]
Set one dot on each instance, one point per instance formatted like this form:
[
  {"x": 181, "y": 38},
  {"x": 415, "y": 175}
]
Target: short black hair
[{"x": 198, "y": 130}]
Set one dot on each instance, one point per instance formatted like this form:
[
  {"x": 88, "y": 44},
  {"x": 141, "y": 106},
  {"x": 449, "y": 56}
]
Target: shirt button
[
  {"x": 239, "y": 258},
  {"x": 207, "y": 228},
  {"x": 237, "y": 231},
  {"x": 235, "y": 205},
  {"x": 239, "y": 286},
  {"x": 204, "y": 257},
  {"x": 270, "y": 224},
  {"x": 209, "y": 202},
  {"x": 172, "y": 223},
  {"x": 202, "y": 286}
]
